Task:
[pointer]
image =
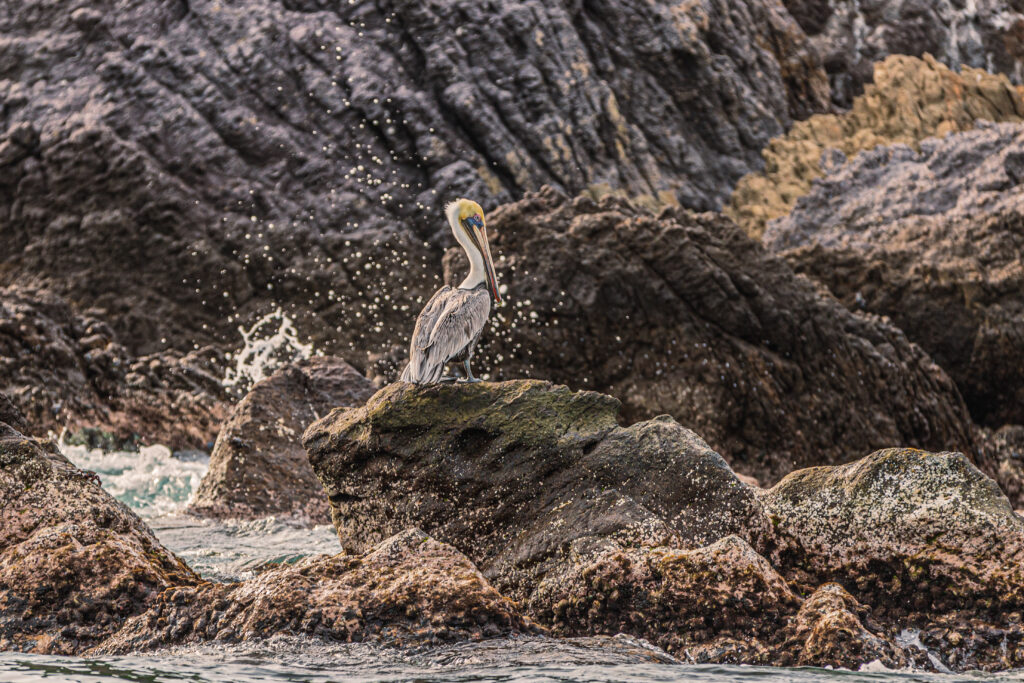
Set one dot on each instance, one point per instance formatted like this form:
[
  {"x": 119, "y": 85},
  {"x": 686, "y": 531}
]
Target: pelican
[{"x": 449, "y": 326}]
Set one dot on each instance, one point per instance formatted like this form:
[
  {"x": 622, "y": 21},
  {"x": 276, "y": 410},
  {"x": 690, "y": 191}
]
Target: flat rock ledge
[{"x": 595, "y": 529}]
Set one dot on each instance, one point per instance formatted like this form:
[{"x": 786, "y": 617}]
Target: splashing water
[{"x": 271, "y": 342}]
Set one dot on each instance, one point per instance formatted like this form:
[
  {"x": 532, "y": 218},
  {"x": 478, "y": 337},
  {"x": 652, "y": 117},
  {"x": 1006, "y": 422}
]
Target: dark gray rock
[
  {"x": 181, "y": 166},
  {"x": 933, "y": 239},
  {"x": 10, "y": 415},
  {"x": 258, "y": 466},
  {"x": 684, "y": 314},
  {"x": 849, "y": 36}
]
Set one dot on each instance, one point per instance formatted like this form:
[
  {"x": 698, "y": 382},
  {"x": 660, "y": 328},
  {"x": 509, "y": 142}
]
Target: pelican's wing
[
  {"x": 418, "y": 368},
  {"x": 460, "y": 323}
]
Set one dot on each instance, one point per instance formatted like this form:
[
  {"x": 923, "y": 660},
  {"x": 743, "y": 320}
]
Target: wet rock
[
  {"x": 684, "y": 314},
  {"x": 74, "y": 563},
  {"x": 933, "y": 239},
  {"x": 910, "y": 100},
  {"x": 697, "y": 604},
  {"x": 68, "y": 371},
  {"x": 522, "y": 476},
  {"x": 258, "y": 466},
  {"x": 199, "y": 162},
  {"x": 409, "y": 590},
  {"x": 828, "y": 631},
  {"x": 849, "y": 36},
  {"x": 906, "y": 531},
  {"x": 10, "y": 415}
]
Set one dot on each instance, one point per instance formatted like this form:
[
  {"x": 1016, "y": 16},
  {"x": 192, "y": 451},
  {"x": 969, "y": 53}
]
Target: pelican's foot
[
  {"x": 468, "y": 380},
  {"x": 448, "y": 378}
]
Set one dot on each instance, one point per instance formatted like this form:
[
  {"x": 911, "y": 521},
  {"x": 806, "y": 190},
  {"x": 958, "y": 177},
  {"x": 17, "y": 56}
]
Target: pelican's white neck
[{"x": 477, "y": 272}]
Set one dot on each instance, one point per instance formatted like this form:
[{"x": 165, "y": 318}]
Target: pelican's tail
[{"x": 421, "y": 371}]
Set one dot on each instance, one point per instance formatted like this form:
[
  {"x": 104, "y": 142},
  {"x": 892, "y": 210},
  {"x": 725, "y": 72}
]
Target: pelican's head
[{"x": 467, "y": 221}]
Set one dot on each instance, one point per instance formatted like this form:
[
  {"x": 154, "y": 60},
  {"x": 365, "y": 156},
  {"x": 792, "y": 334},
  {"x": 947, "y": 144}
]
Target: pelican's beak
[{"x": 492, "y": 279}]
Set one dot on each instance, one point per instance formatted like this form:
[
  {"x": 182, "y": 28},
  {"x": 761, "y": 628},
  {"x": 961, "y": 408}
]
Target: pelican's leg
[{"x": 470, "y": 379}]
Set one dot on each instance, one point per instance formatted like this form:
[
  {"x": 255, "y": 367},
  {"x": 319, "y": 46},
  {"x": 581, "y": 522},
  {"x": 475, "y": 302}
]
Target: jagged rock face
[
  {"x": 685, "y": 601},
  {"x": 69, "y": 371},
  {"x": 849, "y": 36},
  {"x": 684, "y": 314},
  {"x": 180, "y": 164},
  {"x": 409, "y": 590},
  {"x": 74, "y": 563},
  {"x": 910, "y": 100},
  {"x": 522, "y": 476},
  {"x": 933, "y": 239},
  {"x": 258, "y": 466}
]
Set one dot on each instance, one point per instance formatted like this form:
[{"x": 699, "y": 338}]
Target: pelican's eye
[{"x": 474, "y": 221}]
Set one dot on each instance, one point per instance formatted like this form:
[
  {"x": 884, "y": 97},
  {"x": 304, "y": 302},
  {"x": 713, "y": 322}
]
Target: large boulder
[
  {"x": 70, "y": 375},
  {"x": 183, "y": 165},
  {"x": 909, "y": 101},
  {"x": 684, "y": 314},
  {"x": 74, "y": 563},
  {"x": 408, "y": 590},
  {"x": 933, "y": 239},
  {"x": 924, "y": 539},
  {"x": 849, "y": 36},
  {"x": 524, "y": 477},
  {"x": 258, "y": 466}
]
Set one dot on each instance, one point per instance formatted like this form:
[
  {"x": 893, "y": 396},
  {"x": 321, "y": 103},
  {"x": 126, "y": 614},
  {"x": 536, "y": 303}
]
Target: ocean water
[{"x": 158, "y": 485}]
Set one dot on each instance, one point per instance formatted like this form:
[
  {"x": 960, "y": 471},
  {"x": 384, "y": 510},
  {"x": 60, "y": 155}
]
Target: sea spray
[{"x": 271, "y": 342}]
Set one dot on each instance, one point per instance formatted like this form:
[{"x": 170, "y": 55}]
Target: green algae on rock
[{"x": 521, "y": 475}]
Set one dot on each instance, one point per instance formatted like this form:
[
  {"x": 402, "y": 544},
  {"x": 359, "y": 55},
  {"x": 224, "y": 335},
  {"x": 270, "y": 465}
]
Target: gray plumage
[{"x": 446, "y": 330}]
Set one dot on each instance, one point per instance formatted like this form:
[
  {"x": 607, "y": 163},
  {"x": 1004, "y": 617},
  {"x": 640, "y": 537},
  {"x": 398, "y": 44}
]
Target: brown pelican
[{"x": 451, "y": 323}]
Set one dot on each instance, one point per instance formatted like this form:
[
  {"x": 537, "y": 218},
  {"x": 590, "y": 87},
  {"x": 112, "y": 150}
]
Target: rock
[
  {"x": 693, "y": 603},
  {"x": 684, "y": 314},
  {"x": 908, "y": 531},
  {"x": 182, "y": 183},
  {"x": 74, "y": 563},
  {"x": 828, "y": 632},
  {"x": 258, "y": 466},
  {"x": 409, "y": 590},
  {"x": 849, "y": 36},
  {"x": 68, "y": 372},
  {"x": 522, "y": 476},
  {"x": 1004, "y": 460},
  {"x": 933, "y": 239},
  {"x": 10, "y": 415},
  {"x": 910, "y": 100}
]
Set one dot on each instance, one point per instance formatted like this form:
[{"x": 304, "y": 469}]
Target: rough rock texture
[
  {"x": 910, "y": 100},
  {"x": 69, "y": 371},
  {"x": 684, "y": 314},
  {"x": 258, "y": 466},
  {"x": 10, "y": 415},
  {"x": 849, "y": 36},
  {"x": 934, "y": 240},
  {"x": 409, "y": 590},
  {"x": 1004, "y": 460},
  {"x": 522, "y": 476},
  {"x": 693, "y": 603},
  {"x": 178, "y": 164},
  {"x": 828, "y": 631},
  {"x": 74, "y": 563},
  {"x": 924, "y": 540}
]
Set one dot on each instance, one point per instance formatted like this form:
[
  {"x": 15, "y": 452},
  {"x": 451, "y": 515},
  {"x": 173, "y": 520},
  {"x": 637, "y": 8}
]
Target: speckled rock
[
  {"x": 910, "y": 100},
  {"x": 258, "y": 466},
  {"x": 697, "y": 604},
  {"x": 69, "y": 372},
  {"x": 522, "y": 476},
  {"x": 183, "y": 166},
  {"x": 10, "y": 415},
  {"x": 683, "y": 314},
  {"x": 933, "y": 239},
  {"x": 409, "y": 590},
  {"x": 74, "y": 563}
]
